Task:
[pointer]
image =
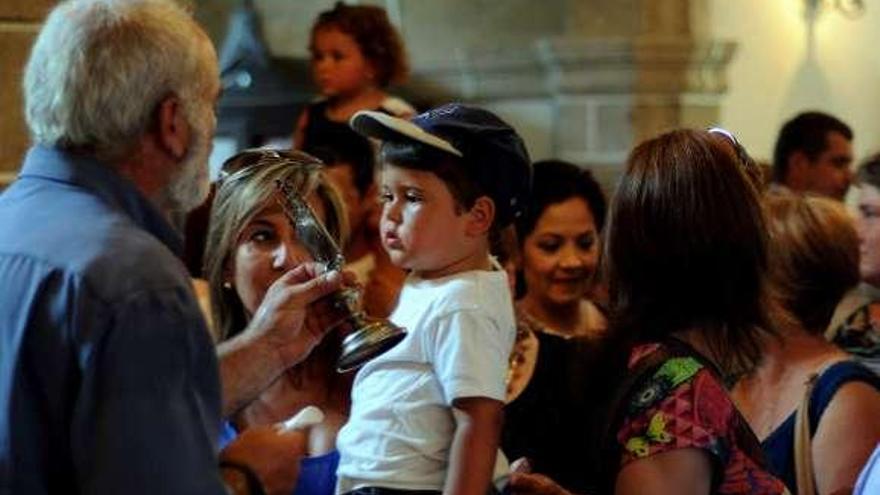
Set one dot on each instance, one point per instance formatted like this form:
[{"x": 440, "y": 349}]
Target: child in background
[
  {"x": 426, "y": 415},
  {"x": 356, "y": 55}
]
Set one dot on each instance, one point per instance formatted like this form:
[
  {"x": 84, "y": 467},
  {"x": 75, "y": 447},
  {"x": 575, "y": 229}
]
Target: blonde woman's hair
[
  {"x": 246, "y": 191},
  {"x": 814, "y": 255}
]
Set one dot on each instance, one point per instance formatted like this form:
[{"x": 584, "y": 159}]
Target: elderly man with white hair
[{"x": 109, "y": 381}]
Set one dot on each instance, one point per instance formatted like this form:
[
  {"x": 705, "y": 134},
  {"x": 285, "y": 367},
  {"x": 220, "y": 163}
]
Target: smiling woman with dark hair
[
  {"x": 560, "y": 239},
  {"x": 560, "y": 249}
]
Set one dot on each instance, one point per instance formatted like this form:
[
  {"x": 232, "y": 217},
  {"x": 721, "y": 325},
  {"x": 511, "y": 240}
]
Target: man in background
[{"x": 813, "y": 153}]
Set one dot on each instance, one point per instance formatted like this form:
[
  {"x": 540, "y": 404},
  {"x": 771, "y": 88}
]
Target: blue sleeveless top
[
  {"x": 317, "y": 474},
  {"x": 779, "y": 445}
]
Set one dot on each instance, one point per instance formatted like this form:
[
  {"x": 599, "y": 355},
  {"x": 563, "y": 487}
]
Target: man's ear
[
  {"x": 798, "y": 170},
  {"x": 482, "y": 214},
  {"x": 173, "y": 132}
]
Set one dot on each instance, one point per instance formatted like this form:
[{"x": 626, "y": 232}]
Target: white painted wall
[{"x": 777, "y": 72}]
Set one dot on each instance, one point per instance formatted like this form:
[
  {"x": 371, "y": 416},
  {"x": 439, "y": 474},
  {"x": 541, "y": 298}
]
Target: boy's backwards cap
[{"x": 492, "y": 152}]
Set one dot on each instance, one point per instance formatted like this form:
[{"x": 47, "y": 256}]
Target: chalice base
[{"x": 370, "y": 338}]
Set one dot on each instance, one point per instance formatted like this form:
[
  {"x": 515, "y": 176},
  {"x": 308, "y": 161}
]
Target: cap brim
[{"x": 384, "y": 127}]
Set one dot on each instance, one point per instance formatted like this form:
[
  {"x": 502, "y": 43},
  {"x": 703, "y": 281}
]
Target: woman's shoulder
[
  {"x": 676, "y": 382},
  {"x": 679, "y": 404},
  {"x": 597, "y": 320},
  {"x": 846, "y": 370},
  {"x": 840, "y": 380},
  {"x": 676, "y": 398}
]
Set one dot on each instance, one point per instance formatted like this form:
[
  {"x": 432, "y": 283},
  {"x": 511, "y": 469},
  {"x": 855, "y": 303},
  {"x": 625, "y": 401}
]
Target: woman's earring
[{"x": 227, "y": 285}]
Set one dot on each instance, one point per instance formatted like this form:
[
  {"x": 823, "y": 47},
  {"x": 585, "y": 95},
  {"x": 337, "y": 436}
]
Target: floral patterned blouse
[{"x": 684, "y": 405}]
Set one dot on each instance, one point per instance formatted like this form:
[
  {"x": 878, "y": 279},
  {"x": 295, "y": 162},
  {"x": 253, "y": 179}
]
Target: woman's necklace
[{"x": 523, "y": 357}]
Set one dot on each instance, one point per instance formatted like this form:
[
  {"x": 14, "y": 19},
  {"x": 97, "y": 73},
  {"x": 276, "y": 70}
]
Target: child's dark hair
[
  {"x": 379, "y": 41},
  {"x": 448, "y": 168},
  {"x": 348, "y": 148}
]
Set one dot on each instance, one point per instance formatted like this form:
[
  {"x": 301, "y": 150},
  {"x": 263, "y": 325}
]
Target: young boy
[{"x": 426, "y": 415}]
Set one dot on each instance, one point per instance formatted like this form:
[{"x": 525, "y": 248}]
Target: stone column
[
  {"x": 660, "y": 72},
  {"x": 19, "y": 23},
  {"x": 614, "y": 73},
  {"x": 631, "y": 89},
  {"x": 582, "y": 80}
]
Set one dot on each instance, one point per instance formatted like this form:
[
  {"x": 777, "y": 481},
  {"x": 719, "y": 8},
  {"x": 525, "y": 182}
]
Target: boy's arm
[{"x": 474, "y": 446}]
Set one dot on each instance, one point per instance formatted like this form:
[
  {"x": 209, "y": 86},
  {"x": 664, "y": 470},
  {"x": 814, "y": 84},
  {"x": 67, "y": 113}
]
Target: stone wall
[
  {"x": 19, "y": 23},
  {"x": 582, "y": 80}
]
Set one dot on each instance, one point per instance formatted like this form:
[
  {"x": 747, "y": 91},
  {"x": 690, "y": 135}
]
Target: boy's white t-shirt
[{"x": 460, "y": 331}]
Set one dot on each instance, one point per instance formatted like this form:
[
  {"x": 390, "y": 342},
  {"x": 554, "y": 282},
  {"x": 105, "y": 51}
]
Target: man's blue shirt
[{"x": 108, "y": 377}]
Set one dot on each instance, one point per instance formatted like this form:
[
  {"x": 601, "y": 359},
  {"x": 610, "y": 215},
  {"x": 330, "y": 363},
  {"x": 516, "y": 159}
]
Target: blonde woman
[
  {"x": 814, "y": 260},
  {"x": 251, "y": 244}
]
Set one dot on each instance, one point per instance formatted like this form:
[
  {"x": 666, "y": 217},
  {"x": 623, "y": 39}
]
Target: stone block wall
[
  {"x": 582, "y": 80},
  {"x": 19, "y": 23}
]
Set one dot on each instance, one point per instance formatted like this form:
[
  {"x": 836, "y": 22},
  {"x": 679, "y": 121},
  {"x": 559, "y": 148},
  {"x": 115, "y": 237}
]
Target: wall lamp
[{"x": 849, "y": 8}]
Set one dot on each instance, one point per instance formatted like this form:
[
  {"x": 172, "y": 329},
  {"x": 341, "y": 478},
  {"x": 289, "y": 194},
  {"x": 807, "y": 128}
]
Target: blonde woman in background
[{"x": 814, "y": 260}]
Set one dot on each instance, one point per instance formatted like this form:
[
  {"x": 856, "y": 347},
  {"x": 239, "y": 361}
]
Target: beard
[{"x": 189, "y": 186}]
